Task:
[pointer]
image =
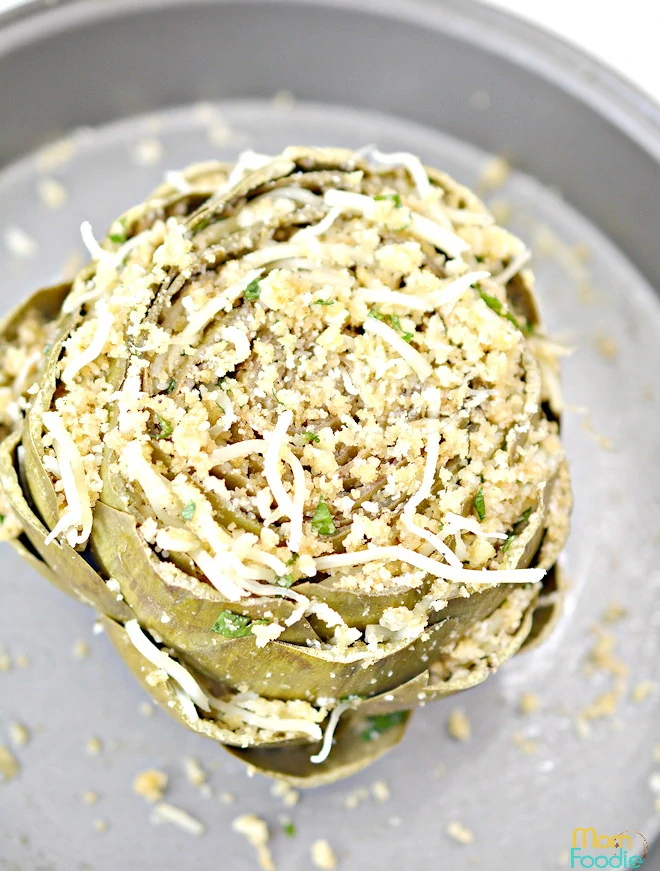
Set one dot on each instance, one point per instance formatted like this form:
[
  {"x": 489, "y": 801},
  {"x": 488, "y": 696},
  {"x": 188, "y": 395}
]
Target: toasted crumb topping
[
  {"x": 150, "y": 784},
  {"x": 9, "y": 766},
  {"x": 255, "y": 831},
  {"x": 529, "y": 703},
  {"x": 460, "y": 833},
  {"x": 19, "y": 734},
  {"x": 323, "y": 856},
  {"x": 459, "y": 726}
]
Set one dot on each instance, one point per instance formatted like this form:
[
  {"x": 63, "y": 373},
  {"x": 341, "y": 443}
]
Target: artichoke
[{"x": 293, "y": 433}]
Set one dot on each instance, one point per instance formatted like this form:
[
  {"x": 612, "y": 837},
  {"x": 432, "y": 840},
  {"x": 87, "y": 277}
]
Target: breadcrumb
[
  {"x": 22, "y": 661},
  {"x": 606, "y": 346},
  {"x": 52, "y": 193},
  {"x": 9, "y": 766},
  {"x": 460, "y": 833},
  {"x": 100, "y": 825},
  {"x": 94, "y": 746},
  {"x": 80, "y": 649},
  {"x": 643, "y": 690},
  {"x": 529, "y": 703},
  {"x": 614, "y": 612},
  {"x": 19, "y": 734},
  {"x": 380, "y": 791},
  {"x": 283, "y": 790},
  {"x": 355, "y": 797},
  {"x": 90, "y": 797},
  {"x": 323, "y": 856},
  {"x": 255, "y": 831},
  {"x": 494, "y": 173},
  {"x": 227, "y": 797},
  {"x": 146, "y": 709},
  {"x": 150, "y": 784},
  {"x": 194, "y": 771},
  {"x": 459, "y": 726}
]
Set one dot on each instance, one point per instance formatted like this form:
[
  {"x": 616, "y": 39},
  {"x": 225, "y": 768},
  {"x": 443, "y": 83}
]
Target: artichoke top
[{"x": 294, "y": 420}]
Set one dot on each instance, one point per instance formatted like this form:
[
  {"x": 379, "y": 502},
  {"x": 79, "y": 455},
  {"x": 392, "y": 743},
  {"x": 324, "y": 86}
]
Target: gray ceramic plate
[{"x": 454, "y": 82}]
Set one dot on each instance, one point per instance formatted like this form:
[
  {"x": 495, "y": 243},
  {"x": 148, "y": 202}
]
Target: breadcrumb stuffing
[
  {"x": 459, "y": 726},
  {"x": 460, "y": 833},
  {"x": 150, "y": 784},
  {"x": 323, "y": 856}
]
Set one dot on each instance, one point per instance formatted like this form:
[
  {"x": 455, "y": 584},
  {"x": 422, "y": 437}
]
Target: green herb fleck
[
  {"x": 479, "y": 258},
  {"x": 189, "y": 511},
  {"x": 164, "y": 428},
  {"x": 292, "y": 559},
  {"x": 517, "y": 529},
  {"x": 322, "y": 521},
  {"x": 497, "y": 306},
  {"x": 2, "y": 519},
  {"x": 284, "y": 581},
  {"x": 171, "y": 386},
  {"x": 396, "y": 199},
  {"x": 480, "y": 504},
  {"x": 121, "y": 237},
  {"x": 323, "y": 302},
  {"x": 252, "y": 291},
  {"x": 289, "y": 829},
  {"x": 395, "y": 323},
  {"x": 232, "y": 625},
  {"x": 276, "y": 398},
  {"x": 380, "y": 723},
  {"x": 202, "y": 224},
  {"x": 310, "y": 437}
]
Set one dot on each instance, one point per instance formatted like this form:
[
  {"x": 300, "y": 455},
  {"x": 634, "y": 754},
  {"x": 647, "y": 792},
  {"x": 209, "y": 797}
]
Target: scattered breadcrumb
[
  {"x": 603, "y": 441},
  {"x": 458, "y": 725},
  {"x": 613, "y": 613},
  {"x": 52, "y": 193},
  {"x": 255, "y": 831},
  {"x": 602, "y": 657},
  {"x": 9, "y": 767},
  {"x": 380, "y": 791},
  {"x": 283, "y": 790},
  {"x": 606, "y": 346},
  {"x": 529, "y": 703},
  {"x": 494, "y": 173},
  {"x": 458, "y": 832},
  {"x": 526, "y": 745},
  {"x": 654, "y": 782},
  {"x": 167, "y": 813},
  {"x": 148, "y": 152},
  {"x": 284, "y": 101},
  {"x": 656, "y": 753},
  {"x": 194, "y": 771},
  {"x": 100, "y": 825},
  {"x": 56, "y": 154},
  {"x": 150, "y": 784},
  {"x": 80, "y": 649},
  {"x": 19, "y": 243},
  {"x": 146, "y": 709},
  {"x": 582, "y": 728},
  {"x": 323, "y": 856},
  {"x": 94, "y": 746},
  {"x": 5, "y": 660},
  {"x": 19, "y": 734},
  {"x": 643, "y": 690},
  {"x": 355, "y": 797},
  {"x": 227, "y": 797},
  {"x": 22, "y": 661},
  {"x": 90, "y": 797}
]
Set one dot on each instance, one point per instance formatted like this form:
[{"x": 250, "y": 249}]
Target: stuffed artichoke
[{"x": 293, "y": 433}]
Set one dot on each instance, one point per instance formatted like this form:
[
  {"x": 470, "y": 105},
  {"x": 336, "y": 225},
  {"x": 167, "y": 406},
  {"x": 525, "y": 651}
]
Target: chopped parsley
[
  {"x": 202, "y": 224},
  {"x": 235, "y": 625},
  {"x": 284, "y": 581},
  {"x": 163, "y": 430},
  {"x": 289, "y": 829},
  {"x": 292, "y": 559},
  {"x": 276, "y": 397},
  {"x": 252, "y": 291},
  {"x": 322, "y": 522},
  {"x": 517, "y": 529},
  {"x": 310, "y": 437},
  {"x": 396, "y": 199},
  {"x": 189, "y": 511},
  {"x": 323, "y": 302},
  {"x": 171, "y": 386},
  {"x": 2, "y": 519},
  {"x": 480, "y": 504},
  {"x": 121, "y": 237},
  {"x": 394, "y": 321},
  {"x": 380, "y": 723},
  {"x": 498, "y": 307}
]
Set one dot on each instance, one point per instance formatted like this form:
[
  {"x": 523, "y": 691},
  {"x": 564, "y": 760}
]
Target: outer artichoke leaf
[
  {"x": 356, "y": 745},
  {"x": 67, "y": 569},
  {"x": 548, "y": 608},
  {"x": 154, "y": 589}
]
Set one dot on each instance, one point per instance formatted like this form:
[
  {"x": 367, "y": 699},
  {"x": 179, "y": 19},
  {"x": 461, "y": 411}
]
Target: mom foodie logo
[{"x": 591, "y": 850}]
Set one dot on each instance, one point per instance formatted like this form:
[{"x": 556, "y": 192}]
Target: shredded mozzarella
[
  {"x": 385, "y": 296},
  {"x": 89, "y": 241},
  {"x": 318, "y": 229},
  {"x": 471, "y": 524},
  {"x": 439, "y": 237},
  {"x": 248, "y": 161},
  {"x": 198, "y": 320},
  {"x": 452, "y": 292},
  {"x": 513, "y": 268},
  {"x": 401, "y": 158},
  {"x": 96, "y": 346},
  {"x": 239, "y": 708},
  {"x": 161, "y": 660},
  {"x": 433, "y": 567},
  {"x": 333, "y": 722},
  {"x": 72, "y": 474},
  {"x": 167, "y": 813},
  {"x": 413, "y": 358}
]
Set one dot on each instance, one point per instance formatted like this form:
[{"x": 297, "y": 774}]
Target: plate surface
[{"x": 523, "y": 782}]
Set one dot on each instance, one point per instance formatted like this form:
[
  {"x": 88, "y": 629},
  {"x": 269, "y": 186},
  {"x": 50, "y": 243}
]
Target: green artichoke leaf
[
  {"x": 65, "y": 567},
  {"x": 356, "y": 745},
  {"x": 548, "y": 608}
]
